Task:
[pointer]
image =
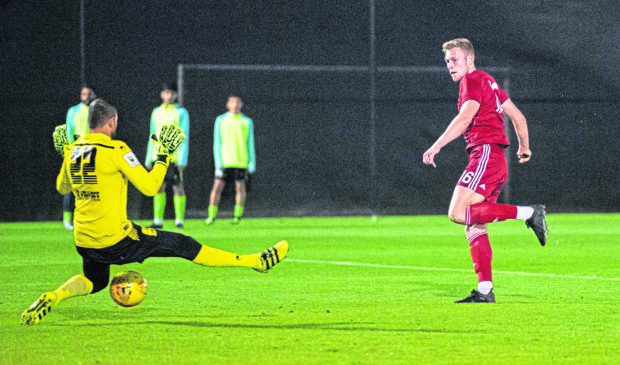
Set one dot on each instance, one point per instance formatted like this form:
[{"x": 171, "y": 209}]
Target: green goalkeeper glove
[
  {"x": 61, "y": 139},
  {"x": 170, "y": 139}
]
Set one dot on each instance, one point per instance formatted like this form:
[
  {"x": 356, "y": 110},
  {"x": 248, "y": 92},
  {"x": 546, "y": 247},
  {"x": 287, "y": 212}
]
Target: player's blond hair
[{"x": 462, "y": 43}]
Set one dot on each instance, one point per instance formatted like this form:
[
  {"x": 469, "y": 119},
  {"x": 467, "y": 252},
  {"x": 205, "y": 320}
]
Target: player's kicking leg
[
  {"x": 487, "y": 212},
  {"x": 538, "y": 223},
  {"x": 468, "y": 208},
  {"x": 77, "y": 285}
]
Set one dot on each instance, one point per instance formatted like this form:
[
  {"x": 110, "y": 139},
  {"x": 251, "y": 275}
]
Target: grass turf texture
[{"x": 550, "y": 307}]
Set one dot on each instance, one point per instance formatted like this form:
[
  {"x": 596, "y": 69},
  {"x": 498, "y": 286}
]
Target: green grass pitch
[{"x": 351, "y": 291}]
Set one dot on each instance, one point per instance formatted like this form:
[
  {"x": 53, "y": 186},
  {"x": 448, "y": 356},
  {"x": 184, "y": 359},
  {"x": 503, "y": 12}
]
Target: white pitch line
[{"x": 422, "y": 268}]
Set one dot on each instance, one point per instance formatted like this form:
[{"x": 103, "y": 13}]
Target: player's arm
[
  {"x": 251, "y": 150},
  {"x": 455, "y": 129},
  {"x": 63, "y": 182},
  {"x": 217, "y": 145},
  {"x": 150, "y": 149},
  {"x": 168, "y": 142},
  {"x": 148, "y": 182},
  {"x": 520, "y": 125},
  {"x": 183, "y": 151}
]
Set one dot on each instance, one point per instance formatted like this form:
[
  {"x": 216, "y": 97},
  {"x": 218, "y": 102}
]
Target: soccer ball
[{"x": 128, "y": 288}]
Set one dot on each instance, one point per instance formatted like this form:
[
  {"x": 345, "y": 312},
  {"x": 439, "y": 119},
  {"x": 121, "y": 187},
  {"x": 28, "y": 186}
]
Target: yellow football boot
[
  {"x": 39, "y": 309},
  {"x": 272, "y": 256}
]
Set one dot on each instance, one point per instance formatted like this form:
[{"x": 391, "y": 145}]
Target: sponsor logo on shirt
[
  {"x": 87, "y": 195},
  {"x": 131, "y": 159}
]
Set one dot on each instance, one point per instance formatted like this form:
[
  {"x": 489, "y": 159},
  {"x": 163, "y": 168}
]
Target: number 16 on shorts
[{"x": 467, "y": 177}]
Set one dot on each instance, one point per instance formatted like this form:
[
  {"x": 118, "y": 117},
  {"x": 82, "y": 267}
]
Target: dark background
[{"x": 312, "y": 130}]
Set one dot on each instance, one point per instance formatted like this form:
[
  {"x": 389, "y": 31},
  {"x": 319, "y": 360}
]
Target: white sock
[
  {"x": 484, "y": 287},
  {"x": 158, "y": 221},
  {"x": 524, "y": 213},
  {"x": 178, "y": 221}
]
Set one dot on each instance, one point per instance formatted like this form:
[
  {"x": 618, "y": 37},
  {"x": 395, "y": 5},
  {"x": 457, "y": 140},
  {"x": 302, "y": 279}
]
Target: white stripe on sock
[{"x": 524, "y": 213}]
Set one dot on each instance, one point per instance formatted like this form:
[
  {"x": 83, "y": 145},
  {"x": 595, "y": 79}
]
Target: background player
[
  {"x": 77, "y": 125},
  {"x": 234, "y": 156},
  {"x": 97, "y": 171},
  {"x": 481, "y": 106},
  {"x": 166, "y": 114}
]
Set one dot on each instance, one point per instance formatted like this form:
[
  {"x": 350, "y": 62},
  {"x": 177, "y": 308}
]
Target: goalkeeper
[
  {"x": 97, "y": 169},
  {"x": 169, "y": 113},
  {"x": 77, "y": 125}
]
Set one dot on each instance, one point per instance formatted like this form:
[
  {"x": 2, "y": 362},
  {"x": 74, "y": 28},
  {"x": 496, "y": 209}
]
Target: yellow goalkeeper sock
[
  {"x": 76, "y": 286},
  {"x": 210, "y": 256}
]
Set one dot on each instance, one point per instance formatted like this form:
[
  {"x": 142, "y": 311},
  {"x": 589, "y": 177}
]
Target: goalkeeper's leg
[
  {"x": 76, "y": 286},
  {"x": 94, "y": 279},
  {"x": 171, "y": 244}
]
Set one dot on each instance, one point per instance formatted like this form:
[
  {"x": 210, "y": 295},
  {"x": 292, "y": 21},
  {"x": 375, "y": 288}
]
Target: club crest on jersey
[{"x": 131, "y": 159}]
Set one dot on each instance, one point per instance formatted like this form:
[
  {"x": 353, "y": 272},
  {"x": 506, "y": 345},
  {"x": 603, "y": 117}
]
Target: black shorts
[
  {"x": 233, "y": 174},
  {"x": 139, "y": 245},
  {"x": 174, "y": 175}
]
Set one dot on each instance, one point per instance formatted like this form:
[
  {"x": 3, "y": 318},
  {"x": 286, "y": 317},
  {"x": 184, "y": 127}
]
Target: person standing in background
[
  {"x": 234, "y": 156},
  {"x": 166, "y": 114},
  {"x": 77, "y": 126}
]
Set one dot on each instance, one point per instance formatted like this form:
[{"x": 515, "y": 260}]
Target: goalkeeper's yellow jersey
[{"x": 97, "y": 169}]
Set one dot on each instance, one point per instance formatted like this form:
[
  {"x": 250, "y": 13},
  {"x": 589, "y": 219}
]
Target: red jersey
[{"x": 488, "y": 124}]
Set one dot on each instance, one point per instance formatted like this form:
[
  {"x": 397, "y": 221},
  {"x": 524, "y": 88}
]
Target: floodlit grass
[{"x": 351, "y": 291}]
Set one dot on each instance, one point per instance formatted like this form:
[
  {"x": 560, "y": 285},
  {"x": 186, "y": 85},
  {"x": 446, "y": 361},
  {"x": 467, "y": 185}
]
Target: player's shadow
[{"x": 334, "y": 326}]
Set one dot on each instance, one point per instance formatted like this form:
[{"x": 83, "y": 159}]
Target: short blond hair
[{"x": 462, "y": 43}]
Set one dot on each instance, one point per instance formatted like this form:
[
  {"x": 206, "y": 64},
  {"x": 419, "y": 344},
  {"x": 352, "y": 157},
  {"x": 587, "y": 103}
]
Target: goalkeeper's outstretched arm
[
  {"x": 147, "y": 182},
  {"x": 170, "y": 138}
]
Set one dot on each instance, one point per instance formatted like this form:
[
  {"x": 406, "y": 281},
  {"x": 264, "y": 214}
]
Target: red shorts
[{"x": 486, "y": 172}]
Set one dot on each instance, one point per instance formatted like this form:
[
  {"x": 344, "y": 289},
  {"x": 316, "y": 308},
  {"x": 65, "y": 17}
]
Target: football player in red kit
[{"x": 481, "y": 105}]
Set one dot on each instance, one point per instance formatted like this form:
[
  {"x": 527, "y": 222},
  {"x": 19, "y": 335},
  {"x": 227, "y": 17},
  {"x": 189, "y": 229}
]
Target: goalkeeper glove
[
  {"x": 61, "y": 139},
  {"x": 170, "y": 139}
]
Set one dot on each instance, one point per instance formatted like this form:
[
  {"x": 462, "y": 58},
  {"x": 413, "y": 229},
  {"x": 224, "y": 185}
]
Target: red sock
[
  {"x": 481, "y": 254},
  {"x": 482, "y": 213}
]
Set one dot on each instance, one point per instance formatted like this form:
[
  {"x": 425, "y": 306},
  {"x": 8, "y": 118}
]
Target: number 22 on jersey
[{"x": 83, "y": 166}]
